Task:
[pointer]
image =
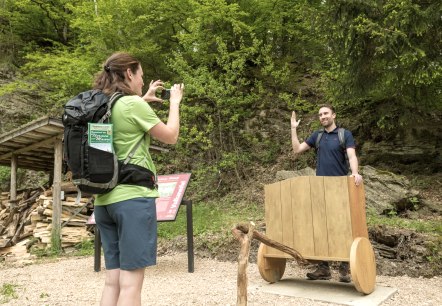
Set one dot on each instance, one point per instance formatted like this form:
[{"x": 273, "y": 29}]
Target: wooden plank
[
  {"x": 356, "y": 196},
  {"x": 56, "y": 224},
  {"x": 319, "y": 214},
  {"x": 30, "y": 147},
  {"x": 338, "y": 216},
  {"x": 286, "y": 213},
  {"x": 36, "y": 124},
  {"x": 302, "y": 216},
  {"x": 13, "y": 188},
  {"x": 273, "y": 214},
  {"x": 310, "y": 257}
]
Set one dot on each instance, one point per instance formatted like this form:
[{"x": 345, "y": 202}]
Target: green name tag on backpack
[{"x": 100, "y": 136}]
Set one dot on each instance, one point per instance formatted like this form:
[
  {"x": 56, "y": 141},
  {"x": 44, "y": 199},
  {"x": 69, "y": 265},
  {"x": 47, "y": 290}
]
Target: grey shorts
[{"x": 128, "y": 232}]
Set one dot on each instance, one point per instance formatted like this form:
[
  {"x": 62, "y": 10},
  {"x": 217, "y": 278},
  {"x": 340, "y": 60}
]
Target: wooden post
[
  {"x": 243, "y": 260},
  {"x": 245, "y": 234},
  {"x": 56, "y": 205},
  {"x": 13, "y": 189}
]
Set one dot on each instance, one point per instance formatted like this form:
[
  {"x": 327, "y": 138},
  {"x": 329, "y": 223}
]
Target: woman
[{"x": 126, "y": 216}]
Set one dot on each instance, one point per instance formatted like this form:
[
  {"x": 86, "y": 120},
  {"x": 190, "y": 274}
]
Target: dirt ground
[{"x": 72, "y": 281}]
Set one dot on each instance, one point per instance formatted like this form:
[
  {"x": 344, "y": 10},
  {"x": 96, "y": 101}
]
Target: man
[{"x": 331, "y": 160}]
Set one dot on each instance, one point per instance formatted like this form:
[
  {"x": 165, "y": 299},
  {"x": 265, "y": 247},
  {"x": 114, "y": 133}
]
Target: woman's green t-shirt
[{"x": 132, "y": 118}]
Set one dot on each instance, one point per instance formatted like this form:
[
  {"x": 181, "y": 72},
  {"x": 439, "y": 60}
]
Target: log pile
[{"x": 26, "y": 224}]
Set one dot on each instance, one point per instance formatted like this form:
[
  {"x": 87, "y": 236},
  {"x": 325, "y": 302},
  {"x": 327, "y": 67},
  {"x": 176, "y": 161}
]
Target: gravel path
[{"x": 72, "y": 281}]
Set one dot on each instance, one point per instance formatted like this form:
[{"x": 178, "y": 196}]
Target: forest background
[{"x": 246, "y": 65}]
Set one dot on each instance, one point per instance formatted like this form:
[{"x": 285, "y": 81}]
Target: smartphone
[{"x": 165, "y": 94}]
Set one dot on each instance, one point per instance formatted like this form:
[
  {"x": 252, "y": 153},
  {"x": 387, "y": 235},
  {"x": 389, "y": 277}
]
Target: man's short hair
[{"x": 329, "y": 106}]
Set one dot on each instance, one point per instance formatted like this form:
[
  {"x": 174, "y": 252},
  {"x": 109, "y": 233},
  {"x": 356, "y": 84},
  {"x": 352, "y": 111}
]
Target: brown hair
[
  {"x": 329, "y": 106},
  {"x": 112, "y": 78}
]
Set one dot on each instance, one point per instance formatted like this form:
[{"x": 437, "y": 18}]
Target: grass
[
  {"x": 7, "y": 292},
  {"x": 421, "y": 226},
  {"x": 216, "y": 217},
  {"x": 84, "y": 248}
]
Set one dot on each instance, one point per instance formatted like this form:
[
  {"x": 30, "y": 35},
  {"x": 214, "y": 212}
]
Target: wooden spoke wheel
[
  {"x": 363, "y": 265},
  {"x": 271, "y": 269}
]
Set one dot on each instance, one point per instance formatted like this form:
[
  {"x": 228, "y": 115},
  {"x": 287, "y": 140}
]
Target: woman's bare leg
[
  {"x": 111, "y": 289},
  {"x": 131, "y": 283}
]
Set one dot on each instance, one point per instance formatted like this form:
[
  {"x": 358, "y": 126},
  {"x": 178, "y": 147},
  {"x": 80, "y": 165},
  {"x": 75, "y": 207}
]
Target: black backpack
[{"x": 96, "y": 171}]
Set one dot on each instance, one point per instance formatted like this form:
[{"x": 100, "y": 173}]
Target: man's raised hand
[{"x": 294, "y": 124}]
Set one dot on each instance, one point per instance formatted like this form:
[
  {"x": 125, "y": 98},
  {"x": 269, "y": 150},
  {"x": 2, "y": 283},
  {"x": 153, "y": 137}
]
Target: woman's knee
[{"x": 112, "y": 278}]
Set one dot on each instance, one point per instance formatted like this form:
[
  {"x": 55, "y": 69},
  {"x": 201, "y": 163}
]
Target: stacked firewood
[{"x": 27, "y": 223}]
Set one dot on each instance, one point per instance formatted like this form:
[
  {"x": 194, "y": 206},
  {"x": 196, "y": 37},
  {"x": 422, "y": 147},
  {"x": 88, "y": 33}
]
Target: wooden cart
[{"x": 323, "y": 218}]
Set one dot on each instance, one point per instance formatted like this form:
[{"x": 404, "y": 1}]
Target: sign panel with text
[{"x": 171, "y": 189}]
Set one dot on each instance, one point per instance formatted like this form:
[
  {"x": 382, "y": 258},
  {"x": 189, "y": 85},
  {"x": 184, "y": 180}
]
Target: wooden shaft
[{"x": 274, "y": 244}]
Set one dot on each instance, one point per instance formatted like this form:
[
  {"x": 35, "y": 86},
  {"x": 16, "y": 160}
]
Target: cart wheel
[
  {"x": 271, "y": 269},
  {"x": 363, "y": 265}
]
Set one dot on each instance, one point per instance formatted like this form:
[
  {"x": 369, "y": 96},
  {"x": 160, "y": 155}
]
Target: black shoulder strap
[
  {"x": 341, "y": 135},
  {"x": 318, "y": 139},
  {"x": 117, "y": 95},
  {"x": 114, "y": 98},
  {"x": 132, "y": 152}
]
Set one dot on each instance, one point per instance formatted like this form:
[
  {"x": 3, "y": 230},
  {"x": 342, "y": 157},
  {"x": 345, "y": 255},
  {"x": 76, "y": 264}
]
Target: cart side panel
[
  {"x": 286, "y": 211},
  {"x": 338, "y": 216},
  {"x": 356, "y": 196},
  {"x": 319, "y": 215},
  {"x": 273, "y": 215},
  {"x": 302, "y": 216}
]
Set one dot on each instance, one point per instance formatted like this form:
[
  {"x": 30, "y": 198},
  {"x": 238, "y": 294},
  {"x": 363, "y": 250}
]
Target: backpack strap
[
  {"x": 341, "y": 136},
  {"x": 115, "y": 96},
  {"x": 132, "y": 152},
  {"x": 318, "y": 139}
]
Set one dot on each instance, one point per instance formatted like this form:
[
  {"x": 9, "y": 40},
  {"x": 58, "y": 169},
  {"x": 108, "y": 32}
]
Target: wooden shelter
[
  {"x": 38, "y": 146},
  {"x": 323, "y": 218}
]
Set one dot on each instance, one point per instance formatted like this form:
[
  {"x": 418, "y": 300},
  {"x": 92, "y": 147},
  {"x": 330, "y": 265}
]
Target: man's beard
[{"x": 327, "y": 123}]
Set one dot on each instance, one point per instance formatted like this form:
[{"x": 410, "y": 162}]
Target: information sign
[{"x": 171, "y": 189}]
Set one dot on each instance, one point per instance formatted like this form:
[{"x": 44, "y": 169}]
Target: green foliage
[
  {"x": 84, "y": 248},
  {"x": 61, "y": 74},
  {"x": 238, "y": 59},
  {"x": 5, "y": 177},
  {"x": 384, "y": 57},
  {"x": 7, "y": 292},
  {"x": 423, "y": 226},
  {"x": 44, "y": 252},
  {"x": 435, "y": 248}
]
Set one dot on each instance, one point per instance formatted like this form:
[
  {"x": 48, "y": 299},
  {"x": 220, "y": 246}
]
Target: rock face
[
  {"x": 19, "y": 107},
  {"x": 283, "y": 175},
  {"x": 384, "y": 191},
  {"x": 415, "y": 148}
]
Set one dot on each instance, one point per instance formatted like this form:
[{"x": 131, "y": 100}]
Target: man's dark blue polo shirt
[{"x": 330, "y": 157}]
